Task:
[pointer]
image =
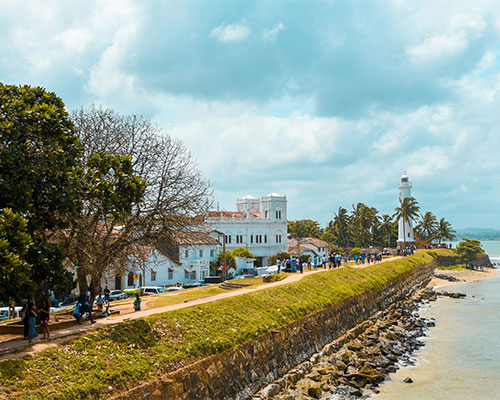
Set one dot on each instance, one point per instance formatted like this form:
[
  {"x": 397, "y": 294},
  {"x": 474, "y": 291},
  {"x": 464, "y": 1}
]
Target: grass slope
[{"x": 95, "y": 365}]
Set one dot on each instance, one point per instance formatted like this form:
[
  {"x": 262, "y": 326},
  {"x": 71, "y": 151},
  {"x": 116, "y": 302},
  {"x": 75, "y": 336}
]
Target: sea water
[{"x": 461, "y": 356}]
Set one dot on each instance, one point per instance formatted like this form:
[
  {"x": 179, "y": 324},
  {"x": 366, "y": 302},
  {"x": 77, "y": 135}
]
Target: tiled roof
[
  {"x": 309, "y": 240},
  {"x": 297, "y": 251}
]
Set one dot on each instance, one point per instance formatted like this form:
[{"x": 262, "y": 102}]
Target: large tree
[
  {"x": 154, "y": 177},
  {"x": 469, "y": 250},
  {"x": 304, "y": 228},
  {"x": 39, "y": 153}
]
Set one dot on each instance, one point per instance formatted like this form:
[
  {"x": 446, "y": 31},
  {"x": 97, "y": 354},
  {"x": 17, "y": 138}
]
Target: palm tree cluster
[{"x": 364, "y": 227}]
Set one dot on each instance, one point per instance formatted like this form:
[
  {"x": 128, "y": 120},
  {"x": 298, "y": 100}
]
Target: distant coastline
[{"x": 478, "y": 234}]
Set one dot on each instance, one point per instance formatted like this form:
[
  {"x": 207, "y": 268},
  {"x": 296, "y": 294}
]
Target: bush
[
  {"x": 242, "y": 252},
  {"x": 356, "y": 252}
]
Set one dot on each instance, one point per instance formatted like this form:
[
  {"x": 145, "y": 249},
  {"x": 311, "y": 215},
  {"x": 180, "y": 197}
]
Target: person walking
[
  {"x": 31, "y": 321},
  {"x": 77, "y": 314},
  {"x": 45, "y": 318},
  {"x": 99, "y": 302},
  {"x": 25, "y": 318}
]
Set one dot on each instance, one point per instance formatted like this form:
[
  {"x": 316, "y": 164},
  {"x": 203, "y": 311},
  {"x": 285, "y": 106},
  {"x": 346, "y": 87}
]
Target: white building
[
  {"x": 308, "y": 246},
  {"x": 405, "y": 228},
  {"x": 260, "y": 225},
  {"x": 184, "y": 259}
]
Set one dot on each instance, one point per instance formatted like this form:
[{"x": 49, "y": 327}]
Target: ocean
[{"x": 461, "y": 356}]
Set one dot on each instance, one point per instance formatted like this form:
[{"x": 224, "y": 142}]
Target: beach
[{"x": 461, "y": 358}]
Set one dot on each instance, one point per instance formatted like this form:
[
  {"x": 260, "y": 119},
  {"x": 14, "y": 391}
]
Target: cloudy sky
[{"x": 325, "y": 101}]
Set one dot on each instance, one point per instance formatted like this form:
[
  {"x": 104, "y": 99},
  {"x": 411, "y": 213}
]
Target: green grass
[{"x": 139, "y": 350}]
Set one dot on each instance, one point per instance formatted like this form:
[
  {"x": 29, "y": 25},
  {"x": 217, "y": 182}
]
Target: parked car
[
  {"x": 149, "y": 290},
  {"x": 191, "y": 284},
  {"x": 117, "y": 295},
  {"x": 174, "y": 288}
]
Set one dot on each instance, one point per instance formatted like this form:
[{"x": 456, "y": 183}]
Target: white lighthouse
[{"x": 405, "y": 228}]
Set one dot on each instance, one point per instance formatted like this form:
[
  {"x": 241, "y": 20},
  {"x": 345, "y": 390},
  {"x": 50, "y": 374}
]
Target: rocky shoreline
[{"x": 356, "y": 363}]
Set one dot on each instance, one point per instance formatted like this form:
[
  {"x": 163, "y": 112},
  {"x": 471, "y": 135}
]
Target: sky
[{"x": 327, "y": 102}]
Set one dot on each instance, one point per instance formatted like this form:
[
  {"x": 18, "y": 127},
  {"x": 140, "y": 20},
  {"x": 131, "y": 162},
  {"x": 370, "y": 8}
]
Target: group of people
[
  {"x": 371, "y": 258},
  {"x": 29, "y": 313},
  {"x": 407, "y": 251},
  {"x": 296, "y": 264}
]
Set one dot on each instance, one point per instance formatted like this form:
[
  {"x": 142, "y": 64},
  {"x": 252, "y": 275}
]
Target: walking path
[{"x": 15, "y": 347}]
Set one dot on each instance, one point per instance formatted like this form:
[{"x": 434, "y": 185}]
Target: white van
[{"x": 4, "y": 313}]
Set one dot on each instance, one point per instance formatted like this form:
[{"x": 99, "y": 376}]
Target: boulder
[
  {"x": 271, "y": 390},
  {"x": 408, "y": 380}
]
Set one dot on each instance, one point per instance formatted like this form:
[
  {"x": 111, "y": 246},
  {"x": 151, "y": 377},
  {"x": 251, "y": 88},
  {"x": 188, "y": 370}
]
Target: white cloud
[
  {"x": 437, "y": 48},
  {"x": 230, "y": 33},
  {"x": 270, "y": 34},
  {"x": 450, "y": 41}
]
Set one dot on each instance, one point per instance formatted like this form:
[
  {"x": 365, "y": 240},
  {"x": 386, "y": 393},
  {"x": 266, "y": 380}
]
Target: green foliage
[
  {"x": 242, "y": 252},
  {"x": 469, "y": 250},
  {"x": 140, "y": 350},
  {"x": 230, "y": 261},
  {"x": 15, "y": 271},
  {"x": 39, "y": 153},
  {"x": 304, "y": 228},
  {"x": 280, "y": 256},
  {"x": 444, "y": 231},
  {"x": 355, "y": 252}
]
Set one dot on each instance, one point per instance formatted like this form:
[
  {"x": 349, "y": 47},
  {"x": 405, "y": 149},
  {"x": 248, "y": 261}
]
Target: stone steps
[{"x": 231, "y": 285}]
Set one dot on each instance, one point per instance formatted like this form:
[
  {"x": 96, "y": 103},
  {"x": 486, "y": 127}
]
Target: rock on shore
[{"x": 356, "y": 363}]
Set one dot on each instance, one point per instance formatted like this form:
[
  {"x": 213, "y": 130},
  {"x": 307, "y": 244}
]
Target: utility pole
[{"x": 224, "y": 258}]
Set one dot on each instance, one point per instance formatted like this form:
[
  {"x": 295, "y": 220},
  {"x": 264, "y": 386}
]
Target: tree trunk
[{"x": 82, "y": 280}]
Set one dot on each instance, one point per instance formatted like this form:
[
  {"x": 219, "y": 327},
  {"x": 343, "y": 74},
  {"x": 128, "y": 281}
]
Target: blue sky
[{"x": 325, "y": 101}]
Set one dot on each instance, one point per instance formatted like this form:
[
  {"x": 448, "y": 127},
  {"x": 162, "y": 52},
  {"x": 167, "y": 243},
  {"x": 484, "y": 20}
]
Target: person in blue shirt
[{"x": 77, "y": 314}]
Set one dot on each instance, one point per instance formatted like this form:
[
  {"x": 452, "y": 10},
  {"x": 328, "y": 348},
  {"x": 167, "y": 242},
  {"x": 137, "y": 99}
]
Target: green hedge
[{"x": 94, "y": 365}]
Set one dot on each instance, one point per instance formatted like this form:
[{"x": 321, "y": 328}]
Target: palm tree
[
  {"x": 341, "y": 223},
  {"x": 427, "y": 226},
  {"x": 386, "y": 228},
  {"x": 444, "y": 231},
  {"x": 364, "y": 219},
  {"x": 408, "y": 210}
]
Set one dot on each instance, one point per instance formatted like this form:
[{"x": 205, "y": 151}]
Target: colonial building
[
  {"x": 260, "y": 225},
  {"x": 405, "y": 228},
  {"x": 308, "y": 246},
  {"x": 184, "y": 259}
]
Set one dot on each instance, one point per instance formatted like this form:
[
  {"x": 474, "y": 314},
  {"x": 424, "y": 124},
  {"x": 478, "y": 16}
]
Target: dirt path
[{"x": 15, "y": 347}]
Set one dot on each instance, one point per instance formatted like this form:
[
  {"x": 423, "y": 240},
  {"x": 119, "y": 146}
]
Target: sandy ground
[{"x": 465, "y": 276}]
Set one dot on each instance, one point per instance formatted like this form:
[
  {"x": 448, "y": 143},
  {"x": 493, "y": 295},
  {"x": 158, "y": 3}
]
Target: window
[
  {"x": 266, "y": 213},
  {"x": 251, "y": 238},
  {"x": 239, "y": 238},
  {"x": 212, "y": 253},
  {"x": 278, "y": 238},
  {"x": 258, "y": 238},
  {"x": 203, "y": 274},
  {"x": 186, "y": 253},
  {"x": 130, "y": 279},
  {"x": 228, "y": 238},
  {"x": 201, "y": 253},
  {"x": 170, "y": 274},
  {"x": 278, "y": 214},
  {"x": 265, "y": 238},
  {"x": 404, "y": 179},
  {"x": 408, "y": 234},
  {"x": 186, "y": 274},
  {"x": 153, "y": 275}
]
